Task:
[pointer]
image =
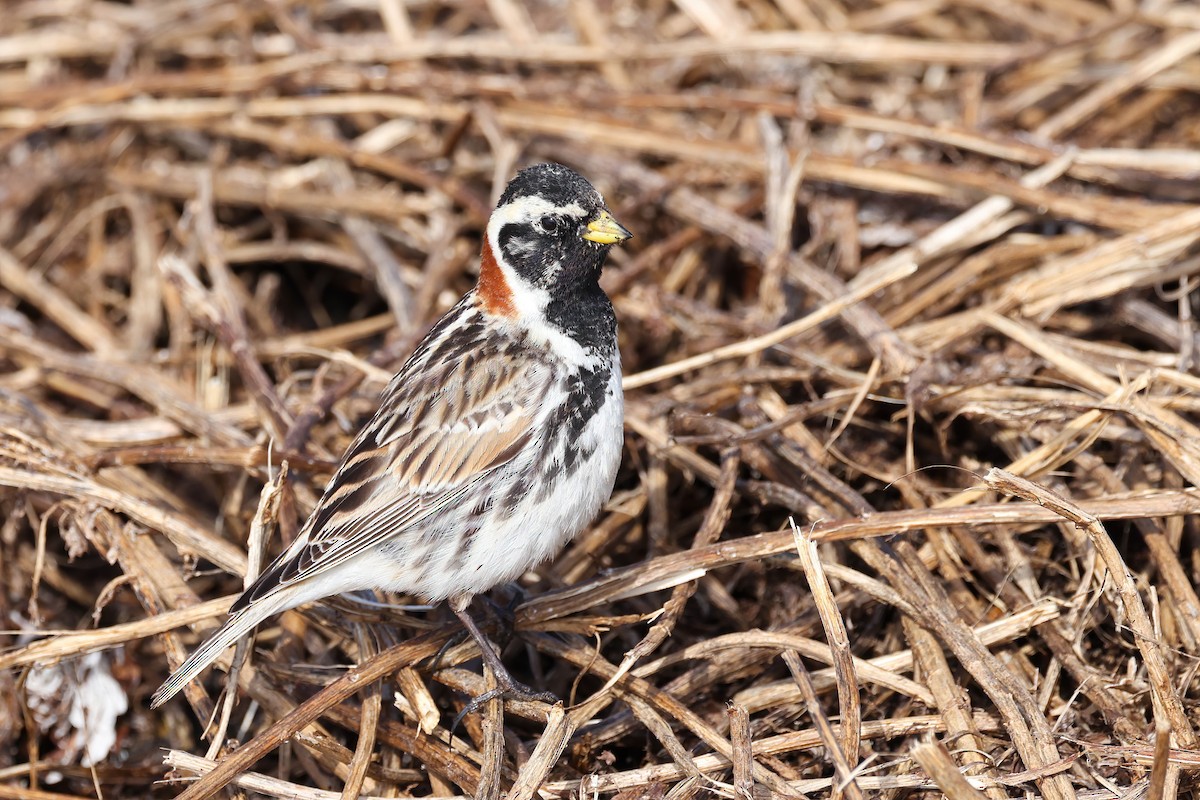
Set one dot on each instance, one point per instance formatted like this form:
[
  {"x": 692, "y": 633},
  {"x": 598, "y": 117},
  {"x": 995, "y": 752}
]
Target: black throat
[{"x": 584, "y": 313}]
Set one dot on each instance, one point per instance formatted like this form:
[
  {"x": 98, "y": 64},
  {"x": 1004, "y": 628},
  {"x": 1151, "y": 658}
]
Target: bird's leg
[
  {"x": 504, "y": 616},
  {"x": 507, "y": 687}
]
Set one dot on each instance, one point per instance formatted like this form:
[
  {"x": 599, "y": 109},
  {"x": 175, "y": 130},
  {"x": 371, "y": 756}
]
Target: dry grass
[{"x": 913, "y": 436}]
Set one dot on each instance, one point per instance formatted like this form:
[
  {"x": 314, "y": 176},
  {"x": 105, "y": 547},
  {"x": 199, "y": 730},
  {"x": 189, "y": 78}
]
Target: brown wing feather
[{"x": 429, "y": 441}]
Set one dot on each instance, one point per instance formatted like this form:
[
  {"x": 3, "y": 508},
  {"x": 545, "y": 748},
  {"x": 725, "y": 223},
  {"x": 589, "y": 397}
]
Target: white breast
[{"x": 534, "y": 529}]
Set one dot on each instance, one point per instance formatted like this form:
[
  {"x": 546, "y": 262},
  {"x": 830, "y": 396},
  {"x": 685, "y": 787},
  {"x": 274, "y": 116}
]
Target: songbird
[{"x": 496, "y": 442}]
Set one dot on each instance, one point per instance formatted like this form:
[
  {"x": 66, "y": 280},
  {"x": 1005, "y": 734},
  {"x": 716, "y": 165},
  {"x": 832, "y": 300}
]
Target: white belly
[{"x": 519, "y": 535}]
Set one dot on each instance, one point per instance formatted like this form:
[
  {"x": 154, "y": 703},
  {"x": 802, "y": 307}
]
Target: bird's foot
[
  {"x": 435, "y": 663},
  {"x": 507, "y": 688},
  {"x": 504, "y": 615}
]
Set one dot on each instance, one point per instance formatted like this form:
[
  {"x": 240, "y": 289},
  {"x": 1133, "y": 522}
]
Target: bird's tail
[{"x": 237, "y": 626}]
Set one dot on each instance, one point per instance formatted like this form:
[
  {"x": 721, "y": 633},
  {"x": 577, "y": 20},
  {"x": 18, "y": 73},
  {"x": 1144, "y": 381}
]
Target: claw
[
  {"x": 508, "y": 688},
  {"x": 435, "y": 663}
]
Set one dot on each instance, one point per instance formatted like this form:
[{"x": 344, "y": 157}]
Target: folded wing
[{"x": 420, "y": 454}]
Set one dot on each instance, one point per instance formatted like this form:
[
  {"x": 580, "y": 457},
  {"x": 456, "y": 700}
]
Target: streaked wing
[{"x": 441, "y": 427}]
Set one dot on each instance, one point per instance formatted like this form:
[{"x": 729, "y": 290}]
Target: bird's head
[{"x": 550, "y": 233}]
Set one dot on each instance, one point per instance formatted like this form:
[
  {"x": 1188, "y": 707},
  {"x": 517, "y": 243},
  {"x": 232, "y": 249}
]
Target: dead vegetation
[{"x": 916, "y": 276}]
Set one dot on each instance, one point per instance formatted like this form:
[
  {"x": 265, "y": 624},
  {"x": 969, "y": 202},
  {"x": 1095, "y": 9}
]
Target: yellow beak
[{"x": 606, "y": 230}]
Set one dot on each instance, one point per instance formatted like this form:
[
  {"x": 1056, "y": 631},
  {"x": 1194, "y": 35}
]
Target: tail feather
[{"x": 237, "y": 626}]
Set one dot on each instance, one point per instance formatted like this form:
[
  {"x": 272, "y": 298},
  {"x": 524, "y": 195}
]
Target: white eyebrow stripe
[
  {"x": 523, "y": 209},
  {"x": 527, "y": 209}
]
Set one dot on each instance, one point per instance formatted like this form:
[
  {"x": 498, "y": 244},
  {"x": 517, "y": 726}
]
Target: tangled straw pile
[{"x": 911, "y": 364}]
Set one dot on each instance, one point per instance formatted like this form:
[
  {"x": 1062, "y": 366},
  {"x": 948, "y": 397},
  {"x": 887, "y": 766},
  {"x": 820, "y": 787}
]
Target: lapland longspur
[{"x": 495, "y": 443}]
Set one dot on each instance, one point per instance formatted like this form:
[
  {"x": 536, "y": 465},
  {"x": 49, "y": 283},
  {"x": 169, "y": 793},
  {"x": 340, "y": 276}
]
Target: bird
[{"x": 496, "y": 443}]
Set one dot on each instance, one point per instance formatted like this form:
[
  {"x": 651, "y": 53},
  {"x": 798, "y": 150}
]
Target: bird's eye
[{"x": 548, "y": 224}]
